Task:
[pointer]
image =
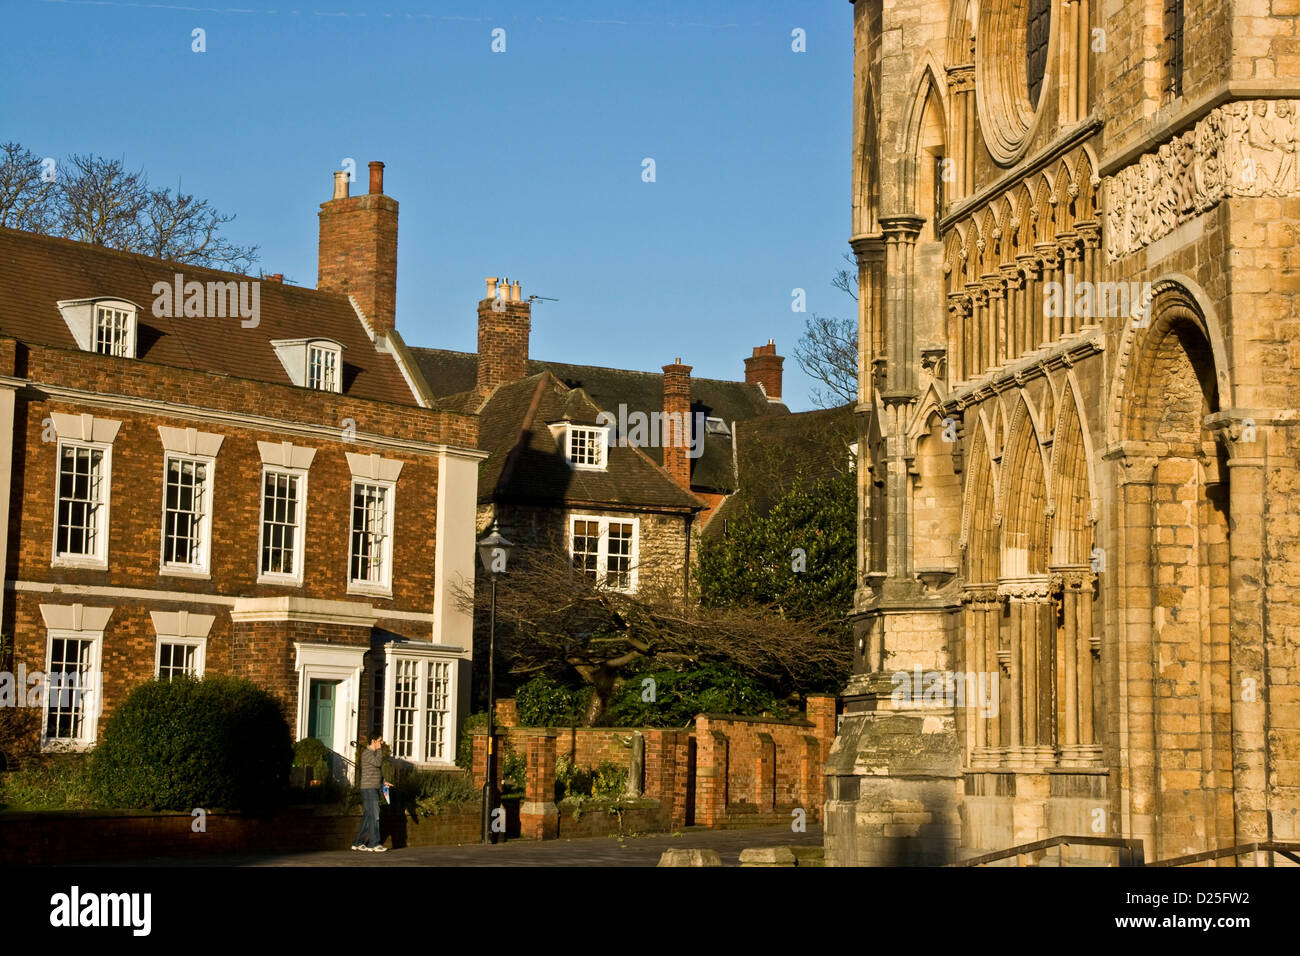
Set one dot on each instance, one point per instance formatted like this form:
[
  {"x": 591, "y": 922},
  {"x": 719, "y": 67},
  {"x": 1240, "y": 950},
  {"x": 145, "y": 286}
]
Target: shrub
[
  {"x": 427, "y": 792},
  {"x": 221, "y": 742},
  {"x": 465, "y": 746},
  {"x": 20, "y": 733},
  {"x": 514, "y": 767},
  {"x": 311, "y": 753},
  {"x": 680, "y": 695},
  {"x": 543, "y": 702},
  {"x": 570, "y": 779},
  {"x": 609, "y": 781}
]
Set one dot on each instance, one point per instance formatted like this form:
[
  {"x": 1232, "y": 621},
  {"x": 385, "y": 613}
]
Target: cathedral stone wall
[{"x": 1078, "y": 405}]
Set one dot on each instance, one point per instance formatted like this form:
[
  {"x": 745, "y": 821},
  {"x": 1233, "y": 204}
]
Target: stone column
[
  {"x": 1049, "y": 256},
  {"x": 1135, "y": 464},
  {"x": 959, "y": 309},
  {"x": 1032, "y": 316},
  {"x": 900, "y": 279}
]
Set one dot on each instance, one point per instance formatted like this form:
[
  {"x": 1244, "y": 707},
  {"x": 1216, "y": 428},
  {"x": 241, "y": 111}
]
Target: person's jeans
[{"x": 368, "y": 834}]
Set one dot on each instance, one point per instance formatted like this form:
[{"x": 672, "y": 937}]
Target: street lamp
[{"x": 494, "y": 553}]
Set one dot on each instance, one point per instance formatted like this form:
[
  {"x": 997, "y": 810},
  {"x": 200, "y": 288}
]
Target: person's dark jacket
[{"x": 372, "y": 769}]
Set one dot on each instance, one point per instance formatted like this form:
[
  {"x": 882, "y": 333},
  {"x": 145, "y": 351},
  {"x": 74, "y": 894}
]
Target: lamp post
[{"x": 494, "y": 553}]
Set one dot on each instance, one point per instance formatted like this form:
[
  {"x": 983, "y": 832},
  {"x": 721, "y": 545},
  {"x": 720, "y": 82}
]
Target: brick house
[
  {"x": 621, "y": 468},
  {"x": 261, "y": 491}
]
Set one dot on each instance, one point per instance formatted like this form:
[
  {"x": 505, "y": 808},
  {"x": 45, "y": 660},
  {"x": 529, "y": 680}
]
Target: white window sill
[
  {"x": 172, "y": 571},
  {"x": 66, "y": 746},
  {"x": 280, "y": 580},
  {"x": 369, "y": 590},
  {"x": 75, "y": 561}
]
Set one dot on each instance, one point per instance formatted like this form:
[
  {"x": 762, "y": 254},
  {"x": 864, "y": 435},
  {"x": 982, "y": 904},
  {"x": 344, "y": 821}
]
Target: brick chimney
[
  {"x": 677, "y": 408},
  {"x": 504, "y": 322},
  {"x": 358, "y": 248},
  {"x": 764, "y": 368}
]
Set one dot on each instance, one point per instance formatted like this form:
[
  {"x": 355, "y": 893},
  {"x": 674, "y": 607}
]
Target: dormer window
[
  {"x": 323, "y": 368},
  {"x": 114, "y": 331},
  {"x": 586, "y": 447},
  {"x": 716, "y": 426},
  {"x": 312, "y": 363},
  {"x": 105, "y": 326}
]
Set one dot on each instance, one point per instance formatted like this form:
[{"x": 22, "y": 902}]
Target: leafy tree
[
  {"x": 798, "y": 559},
  {"x": 98, "y": 200}
]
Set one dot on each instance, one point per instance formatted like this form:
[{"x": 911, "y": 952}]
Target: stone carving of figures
[
  {"x": 1263, "y": 151},
  {"x": 1184, "y": 180},
  {"x": 1163, "y": 184},
  {"x": 1284, "y": 139},
  {"x": 1210, "y": 159}
]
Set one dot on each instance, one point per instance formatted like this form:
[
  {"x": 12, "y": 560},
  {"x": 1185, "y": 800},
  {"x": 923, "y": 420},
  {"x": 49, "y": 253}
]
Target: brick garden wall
[{"x": 729, "y": 771}]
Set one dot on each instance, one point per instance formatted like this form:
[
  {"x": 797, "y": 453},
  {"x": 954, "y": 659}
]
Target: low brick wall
[
  {"x": 96, "y": 837},
  {"x": 729, "y": 772}
]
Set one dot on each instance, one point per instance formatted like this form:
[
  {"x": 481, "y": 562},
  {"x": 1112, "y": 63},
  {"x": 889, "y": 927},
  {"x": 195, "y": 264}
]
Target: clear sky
[{"x": 526, "y": 163}]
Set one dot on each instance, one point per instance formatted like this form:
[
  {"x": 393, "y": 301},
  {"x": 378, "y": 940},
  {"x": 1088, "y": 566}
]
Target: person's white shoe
[
  {"x": 357, "y": 846},
  {"x": 379, "y": 849}
]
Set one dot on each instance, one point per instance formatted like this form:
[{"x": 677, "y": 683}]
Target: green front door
[{"x": 320, "y": 716}]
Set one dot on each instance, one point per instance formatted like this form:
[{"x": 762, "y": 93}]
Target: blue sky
[{"x": 525, "y": 164}]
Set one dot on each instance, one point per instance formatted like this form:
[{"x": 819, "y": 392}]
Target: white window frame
[
  {"x": 276, "y": 577},
  {"x": 129, "y": 337},
  {"x": 384, "y": 586},
  {"x": 601, "y": 435},
  {"x": 200, "y": 644},
  {"x": 602, "y": 553},
  {"x": 202, "y": 568},
  {"x": 91, "y": 701},
  {"x": 333, "y": 352},
  {"x": 424, "y": 660},
  {"x": 99, "y": 559}
]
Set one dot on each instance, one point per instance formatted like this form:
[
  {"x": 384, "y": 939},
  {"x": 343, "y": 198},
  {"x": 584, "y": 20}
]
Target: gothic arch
[
  {"x": 1072, "y": 489},
  {"x": 979, "y": 537},
  {"x": 923, "y": 132},
  {"x": 1174, "y": 295},
  {"x": 866, "y": 194},
  {"x": 1024, "y": 497}
]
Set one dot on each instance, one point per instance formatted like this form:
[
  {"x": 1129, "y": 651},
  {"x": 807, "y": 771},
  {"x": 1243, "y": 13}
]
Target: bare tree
[
  {"x": 98, "y": 200},
  {"x": 551, "y": 617},
  {"x": 828, "y": 349},
  {"x": 828, "y": 354},
  {"x": 27, "y": 189}
]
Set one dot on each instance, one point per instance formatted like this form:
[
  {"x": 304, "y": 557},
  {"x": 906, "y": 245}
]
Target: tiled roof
[
  {"x": 449, "y": 374},
  {"x": 527, "y": 465},
  {"x": 36, "y": 272}
]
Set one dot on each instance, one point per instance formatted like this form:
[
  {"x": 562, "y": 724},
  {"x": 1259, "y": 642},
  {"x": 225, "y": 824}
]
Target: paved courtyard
[{"x": 591, "y": 851}]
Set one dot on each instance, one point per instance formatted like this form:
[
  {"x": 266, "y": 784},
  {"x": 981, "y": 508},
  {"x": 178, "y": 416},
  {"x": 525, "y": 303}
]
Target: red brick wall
[
  {"x": 502, "y": 343},
  {"x": 135, "y": 519},
  {"x": 677, "y": 401},
  {"x": 358, "y": 254}
]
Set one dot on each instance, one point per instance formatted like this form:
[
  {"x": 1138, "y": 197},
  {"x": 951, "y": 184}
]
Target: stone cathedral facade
[{"x": 1075, "y": 223}]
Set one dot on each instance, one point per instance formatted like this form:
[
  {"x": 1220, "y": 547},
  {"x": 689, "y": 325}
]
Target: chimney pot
[
  {"x": 376, "y": 178},
  {"x": 502, "y": 337},
  {"x": 515, "y": 292},
  {"x": 492, "y": 287},
  {"x": 341, "y": 184}
]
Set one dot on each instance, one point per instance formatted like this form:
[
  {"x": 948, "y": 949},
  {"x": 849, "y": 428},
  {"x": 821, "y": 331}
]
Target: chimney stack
[
  {"x": 764, "y": 368},
  {"x": 358, "y": 248},
  {"x": 504, "y": 323},
  {"x": 675, "y": 430}
]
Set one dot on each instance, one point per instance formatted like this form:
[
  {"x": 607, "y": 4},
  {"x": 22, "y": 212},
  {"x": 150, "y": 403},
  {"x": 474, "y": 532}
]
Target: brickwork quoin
[{"x": 729, "y": 771}]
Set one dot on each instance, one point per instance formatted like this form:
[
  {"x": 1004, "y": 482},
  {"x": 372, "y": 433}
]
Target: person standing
[{"x": 371, "y": 779}]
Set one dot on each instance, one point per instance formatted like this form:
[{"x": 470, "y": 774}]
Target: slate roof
[
  {"x": 36, "y": 272},
  {"x": 451, "y": 376},
  {"x": 527, "y": 465}
]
